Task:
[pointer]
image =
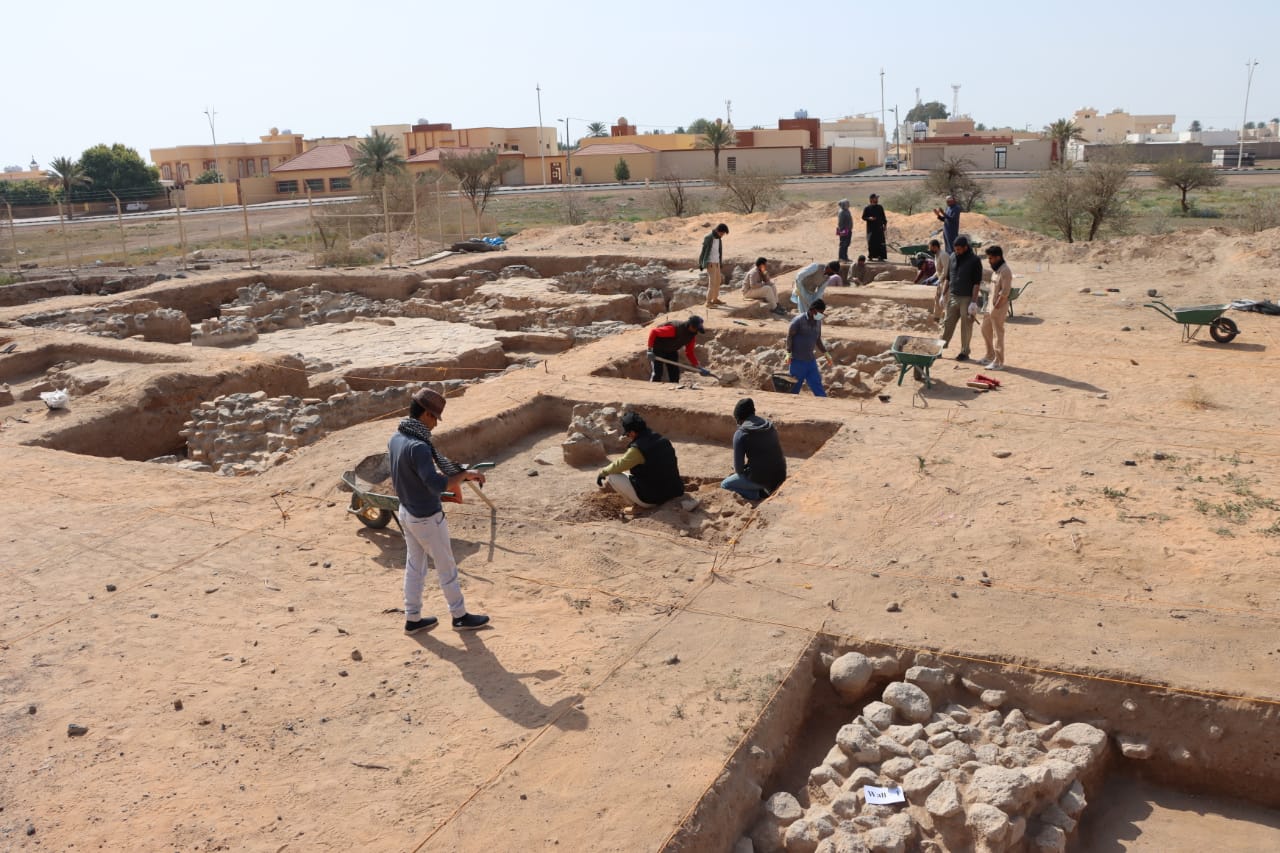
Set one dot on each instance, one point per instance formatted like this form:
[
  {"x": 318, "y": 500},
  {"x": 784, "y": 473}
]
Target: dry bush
[
  {"x": 1199, "y": 399},
  {"x": 748, "y": 191},
  {"x": 674, "y": 198},
  {"x": 574, "y": 211},
  {"x": 909, "y": 200},
  {"x": 1259, "y": 212}
]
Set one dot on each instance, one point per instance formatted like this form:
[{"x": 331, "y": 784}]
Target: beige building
[
  {"x": 1112, "y": 128},
  {"x": 33, "y": 172},
  {"x": 530, "y": 141},
  {"x": 986, "y": 153},
  {"x": 234, "y": 160}
]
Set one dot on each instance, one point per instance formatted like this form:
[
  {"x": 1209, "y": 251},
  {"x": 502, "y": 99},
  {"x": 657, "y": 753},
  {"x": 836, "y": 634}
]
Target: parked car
[
  {"x": 136, "y": 205},
  {"x": 891, "y": 162}
]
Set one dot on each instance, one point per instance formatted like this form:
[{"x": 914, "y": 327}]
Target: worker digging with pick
[{"x": 665, "y": 342}]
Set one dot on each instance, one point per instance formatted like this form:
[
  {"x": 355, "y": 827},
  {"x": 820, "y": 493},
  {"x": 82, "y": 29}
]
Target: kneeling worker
[
  {"x": 653, "y": 473},
  {"x": 759, "y": 466}
]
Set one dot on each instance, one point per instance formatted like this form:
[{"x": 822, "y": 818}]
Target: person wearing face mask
[
  {"x": 965, "y": 277},
  {"x": 997, "y": 309},
  {"x": 813, "y": 281},
  {"x": 804, "y": 340}
]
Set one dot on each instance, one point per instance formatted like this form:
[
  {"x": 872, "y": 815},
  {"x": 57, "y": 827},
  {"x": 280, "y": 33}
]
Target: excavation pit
[
  {"x": 749, "y": 359},
  {"x": 987, "y": 757},
  {"x": 533, "y": 477}
]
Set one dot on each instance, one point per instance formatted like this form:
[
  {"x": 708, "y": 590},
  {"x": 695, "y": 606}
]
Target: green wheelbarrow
[
  {"x": 1193, "y": 319},
  {"x": 918, "y": 354},
  {"x": 371, "y": 506}
]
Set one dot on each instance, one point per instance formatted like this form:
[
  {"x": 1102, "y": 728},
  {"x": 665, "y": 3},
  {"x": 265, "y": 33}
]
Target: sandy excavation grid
[{"x": 656, "y": 680}]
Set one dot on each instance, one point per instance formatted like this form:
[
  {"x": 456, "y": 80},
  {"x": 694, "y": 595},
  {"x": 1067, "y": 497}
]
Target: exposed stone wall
[
  {"x": 242, "y": 433},
  {"x": 140, "y": 318}
]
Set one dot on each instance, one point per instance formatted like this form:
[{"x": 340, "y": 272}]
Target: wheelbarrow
[
  {"x": 373, "y": 507},
  {"x": 918, "y": 354},
  {"x": 1014, "y": 293},
  {"x": 912, "y": 251},
  {"x": 1193, "y": 319}
]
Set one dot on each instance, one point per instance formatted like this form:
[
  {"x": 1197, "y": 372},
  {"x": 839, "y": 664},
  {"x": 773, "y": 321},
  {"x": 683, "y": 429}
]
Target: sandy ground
[{"x": 631, "y": 652}]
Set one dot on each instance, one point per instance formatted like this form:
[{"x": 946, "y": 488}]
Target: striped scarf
[{"x": 415, "y": 428}]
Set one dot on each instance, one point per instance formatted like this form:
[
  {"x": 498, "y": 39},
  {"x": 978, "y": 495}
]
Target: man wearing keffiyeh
[{"x": 420, "y": 473}]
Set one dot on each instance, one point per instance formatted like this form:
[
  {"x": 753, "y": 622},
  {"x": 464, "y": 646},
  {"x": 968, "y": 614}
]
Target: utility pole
[
  {"x": 1250, "y": 65},
  {"x": 897, "y": 138},
  {"x": 210, "y": 113},
  {"x": 568, "y": 152},
  {"x": 728, "y": 112},
  {"x": 542, "y": 148}
]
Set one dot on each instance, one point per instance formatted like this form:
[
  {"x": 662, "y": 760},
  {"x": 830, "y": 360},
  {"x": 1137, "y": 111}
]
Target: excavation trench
[{"x": 1002, "y": 758}]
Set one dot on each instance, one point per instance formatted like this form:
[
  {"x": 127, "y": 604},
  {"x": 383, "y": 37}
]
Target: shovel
[{"x": 685, "y": 366}]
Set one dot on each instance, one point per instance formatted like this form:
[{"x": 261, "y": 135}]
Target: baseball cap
[{"x": 695, "y": 323}]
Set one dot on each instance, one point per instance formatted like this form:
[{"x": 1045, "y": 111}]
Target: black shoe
[
  {"x": 420, "y": 625},
  {"x": 964, "y": 356},
  {"x": 469, "y": 622}
]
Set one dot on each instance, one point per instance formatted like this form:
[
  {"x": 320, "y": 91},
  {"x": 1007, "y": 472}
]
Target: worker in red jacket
[{"x": 665, "y": 342}]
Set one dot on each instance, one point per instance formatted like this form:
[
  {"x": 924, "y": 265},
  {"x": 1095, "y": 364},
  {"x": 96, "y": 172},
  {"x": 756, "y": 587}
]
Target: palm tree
[
  {"x": 1063, "y": 132},
  {"x": 717, "y": 136},
  {"x": 377, "y": 158},
  {"x": 68, "y": 174},
  {"x": 597, "y": 128}
]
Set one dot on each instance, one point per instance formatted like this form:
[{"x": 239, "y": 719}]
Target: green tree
[
  {"x": 68, "y": 175},
  {"x": 622, "y": 171},
  {"x": 698, "y": 126},
  {"x": 1248, "y": 125},
  {"x": 478, "y": 173},
  {"x": 1195, "y": 126},
  {"x": 597, "y": 128},
  {"x": 1063, "y": 132},
  {"x": 715, "y": 137},
  {"x": 1185, "y": 177},
  {"x": 377, "y": 158},
  {"x": 120, "y": 169},
  {"x": 925, "y": 112},
  {"x": 209, "y": 176},
  {"x": 25, "y": 192}
]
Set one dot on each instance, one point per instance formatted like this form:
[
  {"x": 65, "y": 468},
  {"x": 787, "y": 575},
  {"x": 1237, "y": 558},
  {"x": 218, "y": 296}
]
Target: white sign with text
[{"x": 882, "y": 796}]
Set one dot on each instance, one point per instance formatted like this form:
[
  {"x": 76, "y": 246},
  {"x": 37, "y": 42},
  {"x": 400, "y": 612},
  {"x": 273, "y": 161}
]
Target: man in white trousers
[{"x": 420, "y": 473}]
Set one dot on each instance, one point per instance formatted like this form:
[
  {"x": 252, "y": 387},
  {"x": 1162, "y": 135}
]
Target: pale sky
[{"x": 142, "y": 72}]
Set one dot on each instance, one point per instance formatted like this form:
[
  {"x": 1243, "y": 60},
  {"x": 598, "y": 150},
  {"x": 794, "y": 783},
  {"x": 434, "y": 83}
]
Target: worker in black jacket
[
  {"x": 648, "y": 473},
  {"x": 759, "y": 465},
  {"x": 965, "y": 275}
]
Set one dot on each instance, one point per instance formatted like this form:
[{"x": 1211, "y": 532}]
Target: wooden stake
[{"x": 124, "y": 249}]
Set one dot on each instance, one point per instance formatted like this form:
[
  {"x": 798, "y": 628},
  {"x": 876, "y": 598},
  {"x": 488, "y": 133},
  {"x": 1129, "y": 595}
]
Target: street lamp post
[
  {"x": 568, "y": 151},
  {"x": 1250, "y": 65},
  {"x": 210, "y": 113}
]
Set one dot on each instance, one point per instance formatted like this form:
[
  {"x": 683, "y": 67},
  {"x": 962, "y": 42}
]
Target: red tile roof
[{"x": 320, "y": 157}]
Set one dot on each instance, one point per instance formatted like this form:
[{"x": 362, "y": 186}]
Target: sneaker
[
  {"x": 995, "y": 365},
  {"x": 469, "y": 622},
  {"x": 987, "y": 362},
  {"x": 964, "y": 356},
  {"x": 419, "y": 625}
]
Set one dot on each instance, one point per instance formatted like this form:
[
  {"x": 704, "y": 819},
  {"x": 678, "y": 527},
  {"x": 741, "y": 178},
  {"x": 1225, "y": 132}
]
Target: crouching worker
[
  {"x": 419, "y": 474},
  {"x": 758, "y": 464},
  {"x": 647, "y": 474},
  {"x": 666, "y": 341}
]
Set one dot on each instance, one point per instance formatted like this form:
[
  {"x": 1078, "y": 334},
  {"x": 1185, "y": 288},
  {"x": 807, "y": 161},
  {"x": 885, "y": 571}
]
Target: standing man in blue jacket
[
  {"x": 419, "y": 474},
  {"x": 950, "y": 219}
]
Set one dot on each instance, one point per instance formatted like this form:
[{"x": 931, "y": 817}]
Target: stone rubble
[
  {"x": 244, "y": 433},
  {"x": 974, "y": 778},
  {"x": 593, "y": 434}
]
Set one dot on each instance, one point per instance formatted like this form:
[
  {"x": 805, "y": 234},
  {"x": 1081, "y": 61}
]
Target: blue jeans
[
  {"x": 807, "y": 371},
  {"x": 740, "y": 484}
]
